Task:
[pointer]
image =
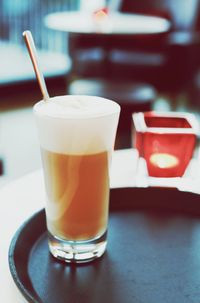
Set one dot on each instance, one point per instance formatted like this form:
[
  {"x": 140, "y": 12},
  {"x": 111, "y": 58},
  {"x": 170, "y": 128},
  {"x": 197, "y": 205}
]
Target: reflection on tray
[{"x": 131, "y": 171}]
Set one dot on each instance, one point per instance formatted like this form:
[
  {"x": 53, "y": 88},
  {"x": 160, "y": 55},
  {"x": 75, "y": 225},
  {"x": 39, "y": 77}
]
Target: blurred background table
[{"x": 113, "y": 23}]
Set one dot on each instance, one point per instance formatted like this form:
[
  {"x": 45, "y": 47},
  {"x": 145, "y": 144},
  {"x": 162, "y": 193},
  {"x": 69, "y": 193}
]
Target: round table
[
  {"x": 113, "y": 23},
  {"x": 23, "y": 197}
]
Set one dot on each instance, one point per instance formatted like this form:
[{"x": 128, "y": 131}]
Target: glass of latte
[{"x": 77, "y": 135}]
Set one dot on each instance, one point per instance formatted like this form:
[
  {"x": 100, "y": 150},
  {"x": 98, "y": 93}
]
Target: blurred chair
[
  {"x": 168, "y": 62},
  {"x": 88, "y": 53}
]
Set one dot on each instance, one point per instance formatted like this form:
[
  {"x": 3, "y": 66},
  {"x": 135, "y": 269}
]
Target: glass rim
[{"x": 113, "y": 108}]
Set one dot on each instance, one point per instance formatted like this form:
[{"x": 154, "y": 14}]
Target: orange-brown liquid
[{"x": 78, "y": 192}]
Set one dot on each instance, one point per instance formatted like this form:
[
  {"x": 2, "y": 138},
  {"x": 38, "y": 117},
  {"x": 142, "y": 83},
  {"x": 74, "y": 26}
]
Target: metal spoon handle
[{"x": 33, "y": 55}]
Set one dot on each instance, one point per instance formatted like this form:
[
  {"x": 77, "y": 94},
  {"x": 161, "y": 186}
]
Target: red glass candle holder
[{"x": 166, "y": 141}]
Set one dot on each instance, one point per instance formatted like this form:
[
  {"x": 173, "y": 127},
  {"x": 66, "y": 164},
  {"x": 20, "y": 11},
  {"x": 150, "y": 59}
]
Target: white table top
[
  {"x": 21, "y": 198},
  {"x": 114, "y": 23},
  {"x": 51, "y": 63}
]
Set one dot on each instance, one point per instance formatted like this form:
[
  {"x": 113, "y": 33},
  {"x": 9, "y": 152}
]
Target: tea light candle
[
  {"x": 166, "y": 140},
  {"x": 101, "y": 14},
  {"x": 164, "y": 160}
]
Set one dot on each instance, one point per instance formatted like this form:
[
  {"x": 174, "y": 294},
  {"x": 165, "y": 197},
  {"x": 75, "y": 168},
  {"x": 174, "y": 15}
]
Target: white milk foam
[{"x": 76, "y": 124}]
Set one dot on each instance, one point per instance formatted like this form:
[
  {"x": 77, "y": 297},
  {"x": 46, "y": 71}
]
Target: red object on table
[{"x": 166, "y": 141}]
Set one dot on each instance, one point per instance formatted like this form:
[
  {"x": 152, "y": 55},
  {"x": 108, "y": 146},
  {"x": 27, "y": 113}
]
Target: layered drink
[{"x": 76, "y": 135}]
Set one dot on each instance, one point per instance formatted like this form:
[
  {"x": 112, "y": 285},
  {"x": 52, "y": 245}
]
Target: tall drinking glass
[{"x": 77, "y": 135}]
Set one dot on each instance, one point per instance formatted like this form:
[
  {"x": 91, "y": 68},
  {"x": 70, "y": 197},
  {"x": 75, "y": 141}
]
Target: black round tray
[{"x": 153, "y": 254}]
